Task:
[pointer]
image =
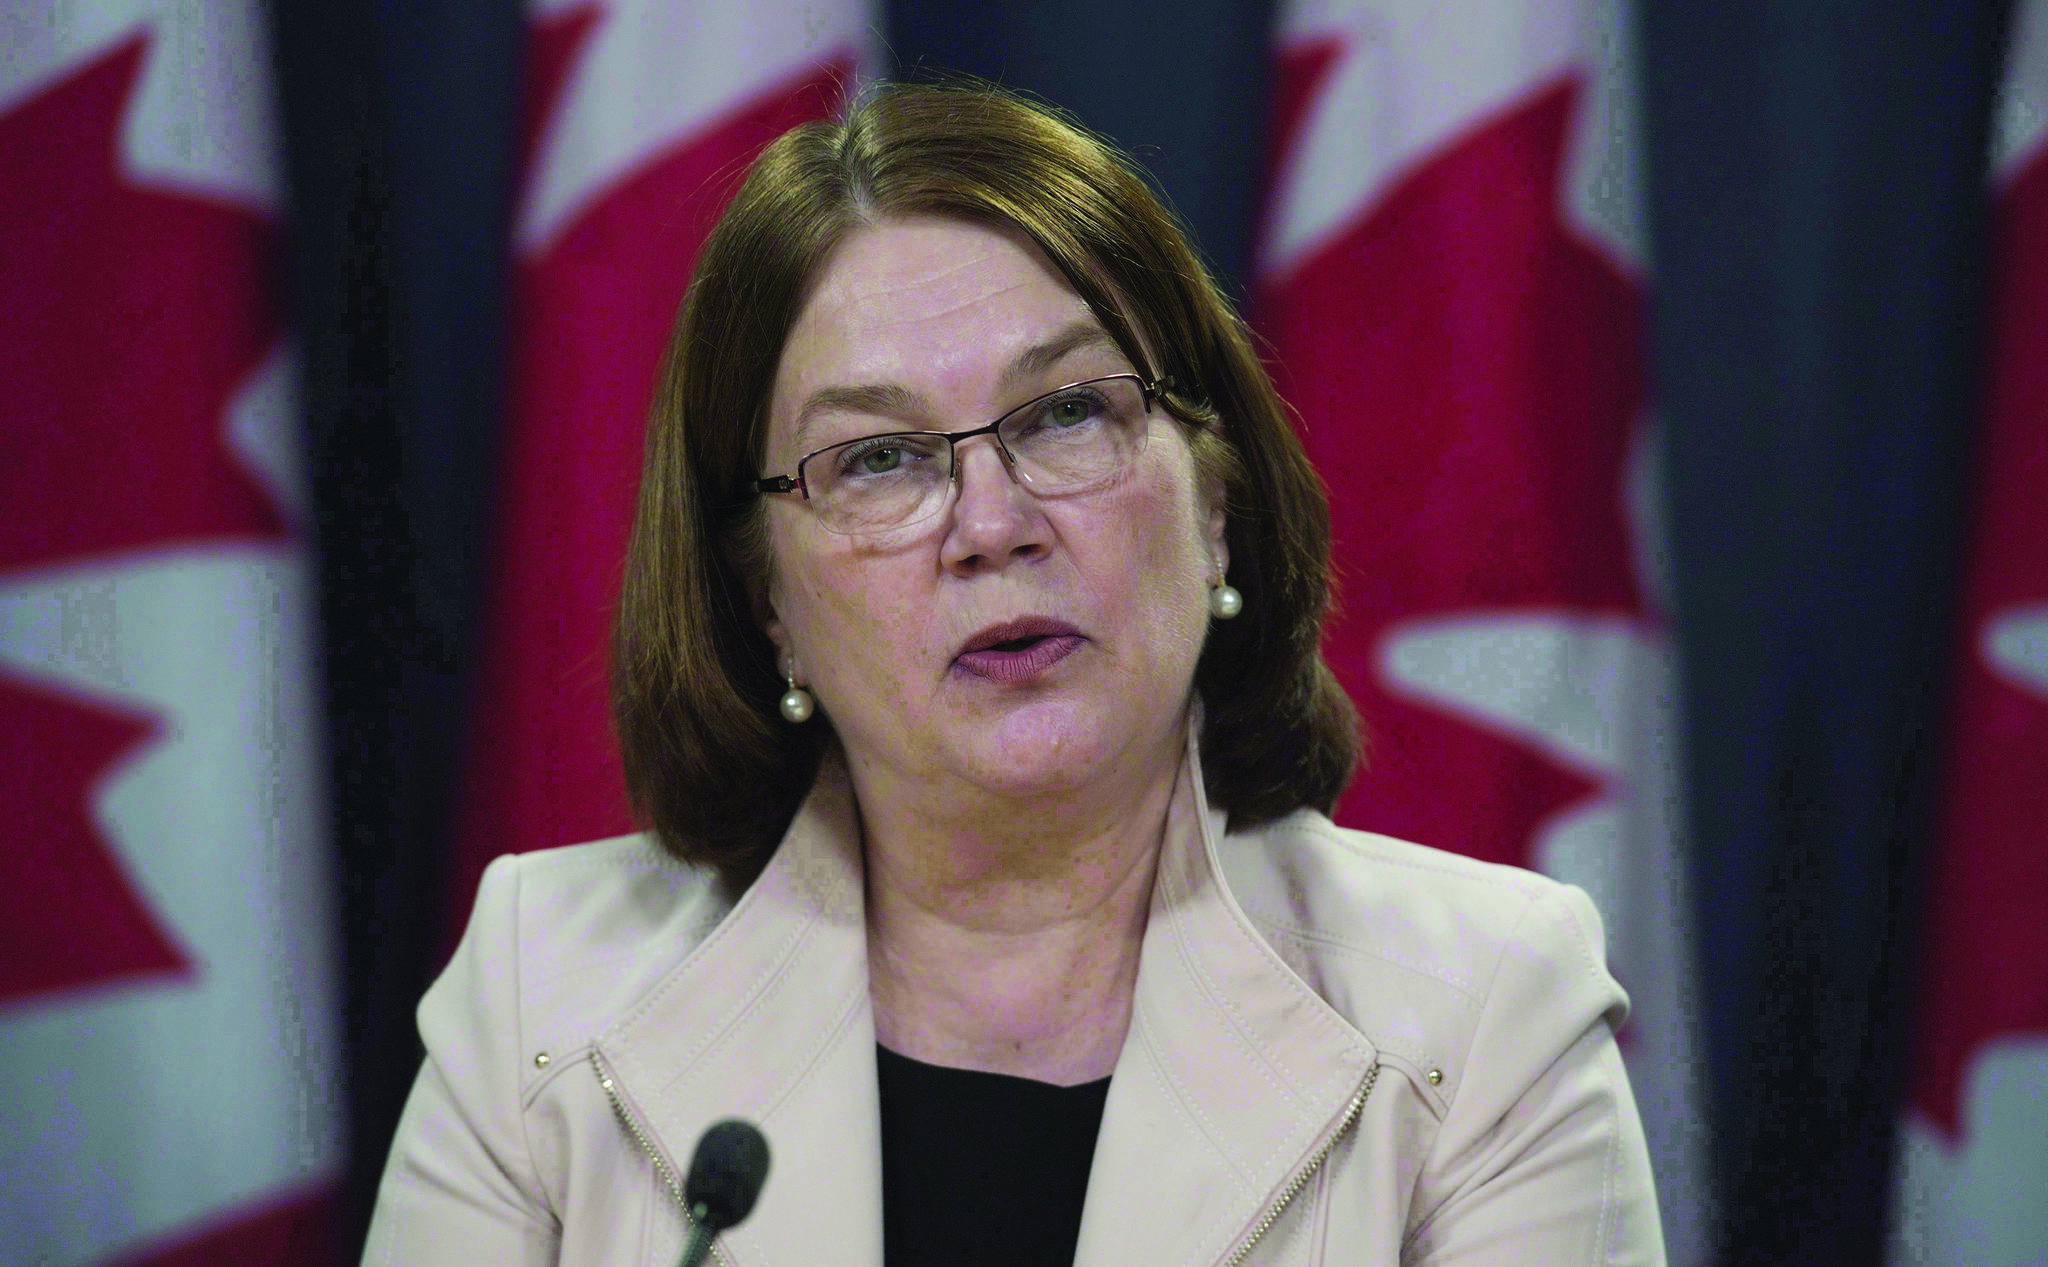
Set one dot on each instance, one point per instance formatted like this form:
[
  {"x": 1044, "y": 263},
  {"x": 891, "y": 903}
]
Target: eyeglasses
[{"x": 1066, "y": 441}]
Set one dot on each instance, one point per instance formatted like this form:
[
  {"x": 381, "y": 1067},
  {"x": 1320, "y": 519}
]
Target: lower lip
[{"x": 1018, "y": 666}]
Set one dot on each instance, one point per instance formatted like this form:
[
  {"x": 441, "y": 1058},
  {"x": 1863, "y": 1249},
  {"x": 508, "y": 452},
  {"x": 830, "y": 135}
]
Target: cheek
[
  {"x": 849, "y": 615},
  {"x": 822, "y": 609},
  {"x": 803, "y": 594},
  {"x": 1157, "y": 555}
]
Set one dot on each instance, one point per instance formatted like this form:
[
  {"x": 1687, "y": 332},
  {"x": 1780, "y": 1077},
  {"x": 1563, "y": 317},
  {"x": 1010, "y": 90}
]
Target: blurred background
[{"x": 1679, "y": 372}]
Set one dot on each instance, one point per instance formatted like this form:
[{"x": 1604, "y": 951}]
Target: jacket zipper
[
  {"x": 1308, "y": 1172},
  {"x": 640, "y": 1136}
]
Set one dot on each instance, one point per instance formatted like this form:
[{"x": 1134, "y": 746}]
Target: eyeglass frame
[{"x": 1150, "y": 392}]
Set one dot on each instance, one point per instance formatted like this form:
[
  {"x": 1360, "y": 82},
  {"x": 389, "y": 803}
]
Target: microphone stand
[{"x": 698, "y": 1247}]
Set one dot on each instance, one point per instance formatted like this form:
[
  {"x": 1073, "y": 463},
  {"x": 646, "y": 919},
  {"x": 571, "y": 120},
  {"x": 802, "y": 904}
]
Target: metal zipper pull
[
  {"x": 1308, "y": 1172},
  {"x": 668, "y": 1175}
]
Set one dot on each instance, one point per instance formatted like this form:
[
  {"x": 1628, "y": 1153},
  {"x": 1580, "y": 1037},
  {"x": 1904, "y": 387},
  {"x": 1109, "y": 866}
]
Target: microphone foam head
[{"x": 726, "y": 1174}]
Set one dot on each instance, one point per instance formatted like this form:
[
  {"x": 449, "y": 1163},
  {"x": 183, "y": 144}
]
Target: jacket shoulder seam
[
  {"x": 1512, "y": 936},
  {"x": 519, "y": 1027},
  {"x": 1285, "y": 928},
  {"x": 1519, "y": 880},
  {"x": 1500, "y": 956},
  {"x": 558, "y": 1062},
  {"x": 626, "y": 851}
]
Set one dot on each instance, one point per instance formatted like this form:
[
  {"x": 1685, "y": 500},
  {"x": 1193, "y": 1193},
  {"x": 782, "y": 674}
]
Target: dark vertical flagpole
[
  {"x": 1180, "y": 85},
  {"x": 399, "y": 124},
  {"x": 1817, "y": 211}
]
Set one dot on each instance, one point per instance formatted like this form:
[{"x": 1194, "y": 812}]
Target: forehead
[{"x": 936, "y": 305}]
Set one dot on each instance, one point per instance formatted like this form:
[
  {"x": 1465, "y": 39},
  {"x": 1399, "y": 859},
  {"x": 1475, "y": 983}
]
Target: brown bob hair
[{"x": 709, "y": 762}]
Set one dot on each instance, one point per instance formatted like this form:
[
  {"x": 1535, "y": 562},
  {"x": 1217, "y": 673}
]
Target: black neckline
[{"x": 968, "y": 1078}]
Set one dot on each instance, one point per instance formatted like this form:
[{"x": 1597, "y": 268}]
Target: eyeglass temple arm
[{"x": 777, "y": 484}]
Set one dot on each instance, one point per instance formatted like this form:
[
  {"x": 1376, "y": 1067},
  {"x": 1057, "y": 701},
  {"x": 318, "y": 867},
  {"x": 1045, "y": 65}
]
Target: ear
[
  {"x": 765, "y": 615},
  {"x": 1218, "y": 520},
  {"x": 762, "y": 595}
]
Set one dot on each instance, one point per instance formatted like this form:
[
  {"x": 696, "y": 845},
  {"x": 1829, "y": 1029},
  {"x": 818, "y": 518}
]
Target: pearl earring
[
  {"x": 1224, "y": 602},
  {"x": 797, "y": 703}
]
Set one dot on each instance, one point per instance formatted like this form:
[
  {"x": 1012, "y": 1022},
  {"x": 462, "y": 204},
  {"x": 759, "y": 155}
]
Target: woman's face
[{"x": 955, "y": 324}]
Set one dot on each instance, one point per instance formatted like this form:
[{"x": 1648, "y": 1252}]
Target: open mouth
[{"x": 1019, "y": 649}]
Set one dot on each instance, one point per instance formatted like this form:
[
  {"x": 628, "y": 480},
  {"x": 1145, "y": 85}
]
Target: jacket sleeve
[
  {"x": 1540, "y": 1161},
  {"x": 460, "y": 1185}
]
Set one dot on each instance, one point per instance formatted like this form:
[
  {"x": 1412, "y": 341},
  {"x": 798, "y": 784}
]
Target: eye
[
  {"x": 1072, "y": 410},
  {"x": 879, "y": 456},
  {"x": 1069, "y": 411},
  {"x": 879, "y": 460}
]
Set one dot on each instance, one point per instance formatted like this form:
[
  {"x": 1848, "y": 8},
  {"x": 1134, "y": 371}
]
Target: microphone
[{"x": 725, "y": 1179}]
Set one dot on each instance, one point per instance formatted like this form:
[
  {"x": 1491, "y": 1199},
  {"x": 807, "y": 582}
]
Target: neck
[{"x": 1005, "y": 936}]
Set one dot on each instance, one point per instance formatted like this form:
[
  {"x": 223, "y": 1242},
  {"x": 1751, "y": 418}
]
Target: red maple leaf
[
  {"x": 1986, "y": 967},
  {"x": 1467, "y": 370},
  {"x": 128, "y": 317},
  {"x": 592, "y": 312},
  {"x": 68, "y": 915}
]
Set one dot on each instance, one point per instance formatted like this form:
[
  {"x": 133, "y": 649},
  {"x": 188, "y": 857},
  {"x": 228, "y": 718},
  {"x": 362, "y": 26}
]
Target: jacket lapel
[
  {"x": 769, "y": 1020},
  {"x": 1233, "y": 1074}
]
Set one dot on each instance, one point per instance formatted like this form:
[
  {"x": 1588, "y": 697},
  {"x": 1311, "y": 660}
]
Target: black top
[{"x": 981, "y": 1167}]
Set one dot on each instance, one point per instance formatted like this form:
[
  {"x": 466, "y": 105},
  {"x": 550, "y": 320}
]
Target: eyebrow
[
  {"x": 1069, "y": 339},
  {"x": 897, "y": 401}
]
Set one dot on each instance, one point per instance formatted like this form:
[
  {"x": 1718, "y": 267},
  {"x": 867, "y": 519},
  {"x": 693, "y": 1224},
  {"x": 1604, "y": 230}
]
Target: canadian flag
[
  {"x": 1973, "y": 1165},
  {"x": 1451, "y": 280},
  {"x": 641, "y": 115},
  {"x": 168, "y": 1007}
]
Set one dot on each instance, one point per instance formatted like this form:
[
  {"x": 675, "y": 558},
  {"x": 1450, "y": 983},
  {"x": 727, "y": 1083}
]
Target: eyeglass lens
[{"x": 1062, "y": 442}]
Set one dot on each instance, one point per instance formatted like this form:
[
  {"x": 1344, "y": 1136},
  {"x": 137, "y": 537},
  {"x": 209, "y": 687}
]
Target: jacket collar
[{"x": 1233, "y": 1074}]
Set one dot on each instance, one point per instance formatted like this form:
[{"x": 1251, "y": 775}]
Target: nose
[{"x": 995, "y": 520}]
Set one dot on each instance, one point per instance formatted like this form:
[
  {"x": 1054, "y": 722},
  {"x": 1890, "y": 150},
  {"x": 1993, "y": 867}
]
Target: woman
[{"x": 967, "y": 674}]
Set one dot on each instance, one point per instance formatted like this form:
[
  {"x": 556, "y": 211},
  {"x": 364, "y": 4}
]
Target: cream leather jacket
[{"x": 1344, "y": 1049}]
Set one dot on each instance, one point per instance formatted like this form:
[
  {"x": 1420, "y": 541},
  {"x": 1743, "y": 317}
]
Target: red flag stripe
[{"x": 592, "y": 311}]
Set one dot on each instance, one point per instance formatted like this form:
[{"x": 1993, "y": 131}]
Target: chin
[{"x": 1051, "y": 745}]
